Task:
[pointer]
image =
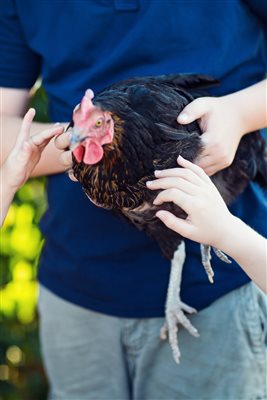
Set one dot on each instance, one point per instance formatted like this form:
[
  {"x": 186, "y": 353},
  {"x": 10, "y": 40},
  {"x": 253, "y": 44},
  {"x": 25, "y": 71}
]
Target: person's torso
[{"x": 92, "y": 257}]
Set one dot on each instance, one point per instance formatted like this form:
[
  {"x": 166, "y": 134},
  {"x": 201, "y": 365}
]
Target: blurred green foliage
[{"x": 21, "y": 372}]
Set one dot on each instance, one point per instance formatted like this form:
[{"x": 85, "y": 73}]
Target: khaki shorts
[{"x": 90, "y": 356}]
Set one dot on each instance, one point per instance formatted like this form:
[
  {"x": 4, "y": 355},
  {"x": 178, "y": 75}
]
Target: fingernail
[
  {"x": 157, "y": 172},
  {"x": 183, "y": 117},
  {"x": 57, "y": 123},
  {"x": 148, "y": 183}
]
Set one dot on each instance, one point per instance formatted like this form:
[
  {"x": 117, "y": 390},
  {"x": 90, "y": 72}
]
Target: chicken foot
[
  {"x": 206, "y": 257},
  {"x": 174, "y": 310},
  {"x": 220, "y": 254}
]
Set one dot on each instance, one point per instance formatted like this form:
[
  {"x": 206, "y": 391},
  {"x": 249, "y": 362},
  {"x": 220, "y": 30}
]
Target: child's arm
[
  {"x": 22, "y": 159},
  {"x": 209, "y": 221},
  {"x": 224, "y": 120}
]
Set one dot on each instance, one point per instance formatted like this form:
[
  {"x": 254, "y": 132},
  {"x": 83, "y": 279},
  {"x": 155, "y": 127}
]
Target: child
[
  {"x": 209, "y": 221},
  {"x": 26, "y": 153}
]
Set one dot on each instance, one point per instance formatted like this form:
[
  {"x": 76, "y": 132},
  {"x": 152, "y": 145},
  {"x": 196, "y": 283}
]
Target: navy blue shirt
[{"x": 91, "y": 257}]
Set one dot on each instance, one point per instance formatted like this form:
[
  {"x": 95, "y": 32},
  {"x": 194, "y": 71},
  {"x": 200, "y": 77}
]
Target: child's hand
[
  {"x": 62, "y": 142},
  {"x": 222, "y": 128},
  {"x": 26, "y": 153},
  {"x": 192, "y": 190}
]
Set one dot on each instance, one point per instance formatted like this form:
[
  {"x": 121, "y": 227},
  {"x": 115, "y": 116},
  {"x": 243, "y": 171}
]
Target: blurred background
[{"x": 21, "y": 373}]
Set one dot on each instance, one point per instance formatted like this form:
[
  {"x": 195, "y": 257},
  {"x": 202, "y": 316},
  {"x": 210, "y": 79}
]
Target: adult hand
[
  {"x": 221, "y": 123},
  {"x": 192, "y": 190}
]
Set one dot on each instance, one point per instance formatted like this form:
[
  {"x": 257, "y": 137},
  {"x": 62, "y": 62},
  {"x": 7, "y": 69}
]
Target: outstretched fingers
[{"x": 24, "y": 132}]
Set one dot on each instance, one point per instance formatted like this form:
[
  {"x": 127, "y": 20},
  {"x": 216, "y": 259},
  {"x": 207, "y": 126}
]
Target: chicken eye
[{"x": 99, "y": 123}]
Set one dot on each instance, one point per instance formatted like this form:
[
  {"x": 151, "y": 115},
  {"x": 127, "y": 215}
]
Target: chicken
[{"x": 125, "y": 132}]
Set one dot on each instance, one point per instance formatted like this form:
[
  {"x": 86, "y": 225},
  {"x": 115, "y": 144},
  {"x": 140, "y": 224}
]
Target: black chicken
[{"x": 125, "y": 132}]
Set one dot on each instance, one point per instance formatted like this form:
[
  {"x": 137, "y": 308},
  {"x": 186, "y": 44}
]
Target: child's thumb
[{"x": 193, "y": 111}]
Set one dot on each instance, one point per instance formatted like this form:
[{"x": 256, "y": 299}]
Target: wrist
[
  {"x": 7, "y": 185},
  {"x": 235, "y": 111},
  {"x": 225, "y": 232},
  {"x": 6, "y": 195},
  {"x": 249, "y": 105},
  {"x": 230, "y": 234}
]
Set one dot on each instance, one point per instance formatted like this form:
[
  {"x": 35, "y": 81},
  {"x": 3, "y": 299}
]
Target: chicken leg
[
  {"x": 206, "y": 257},
  {"x": 174, "y": 310}
]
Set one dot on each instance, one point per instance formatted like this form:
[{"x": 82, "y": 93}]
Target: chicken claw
[
  {"x": 220, "y": 254},
  {"x": 205, "y": 258},
  {"x": 173, "y": 317},
  {"x": 175, "y": 307}
]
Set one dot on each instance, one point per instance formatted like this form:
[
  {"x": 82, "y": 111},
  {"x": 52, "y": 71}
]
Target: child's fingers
[
  {"x": 176, "y": 224},
  {"x": 193, "y": 167},
  {"x": 24, "y": 132},
  {"x": 62, "y": 141},
  {"x": 44, "y": 136},
  {"x": 175, "y": 196},
  {"x": 183, "y": 173},
  {"x": 25, "y": 152},
  {"x": 66, "y": 158},
  {"x": 172, "y": 182},
  {"x": 194, "y": 110},
  {"x": 191, "y": 172}
]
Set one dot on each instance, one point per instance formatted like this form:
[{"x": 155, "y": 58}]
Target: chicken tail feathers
[{"x": 188, "y": 82}]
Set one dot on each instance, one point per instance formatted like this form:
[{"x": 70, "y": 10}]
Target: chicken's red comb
[{"x": 86, "y": 106}]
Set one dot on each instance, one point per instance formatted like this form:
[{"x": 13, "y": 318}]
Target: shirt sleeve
[{"x": 19, "y": 65}]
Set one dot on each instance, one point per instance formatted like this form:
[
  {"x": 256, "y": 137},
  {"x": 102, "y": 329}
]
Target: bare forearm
[
  {"x": 248, "y": 249},
  {"x": 251, "y": 105},
  {"x": 49, "y": 162},
  {"x": 6, "y": 198}
]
